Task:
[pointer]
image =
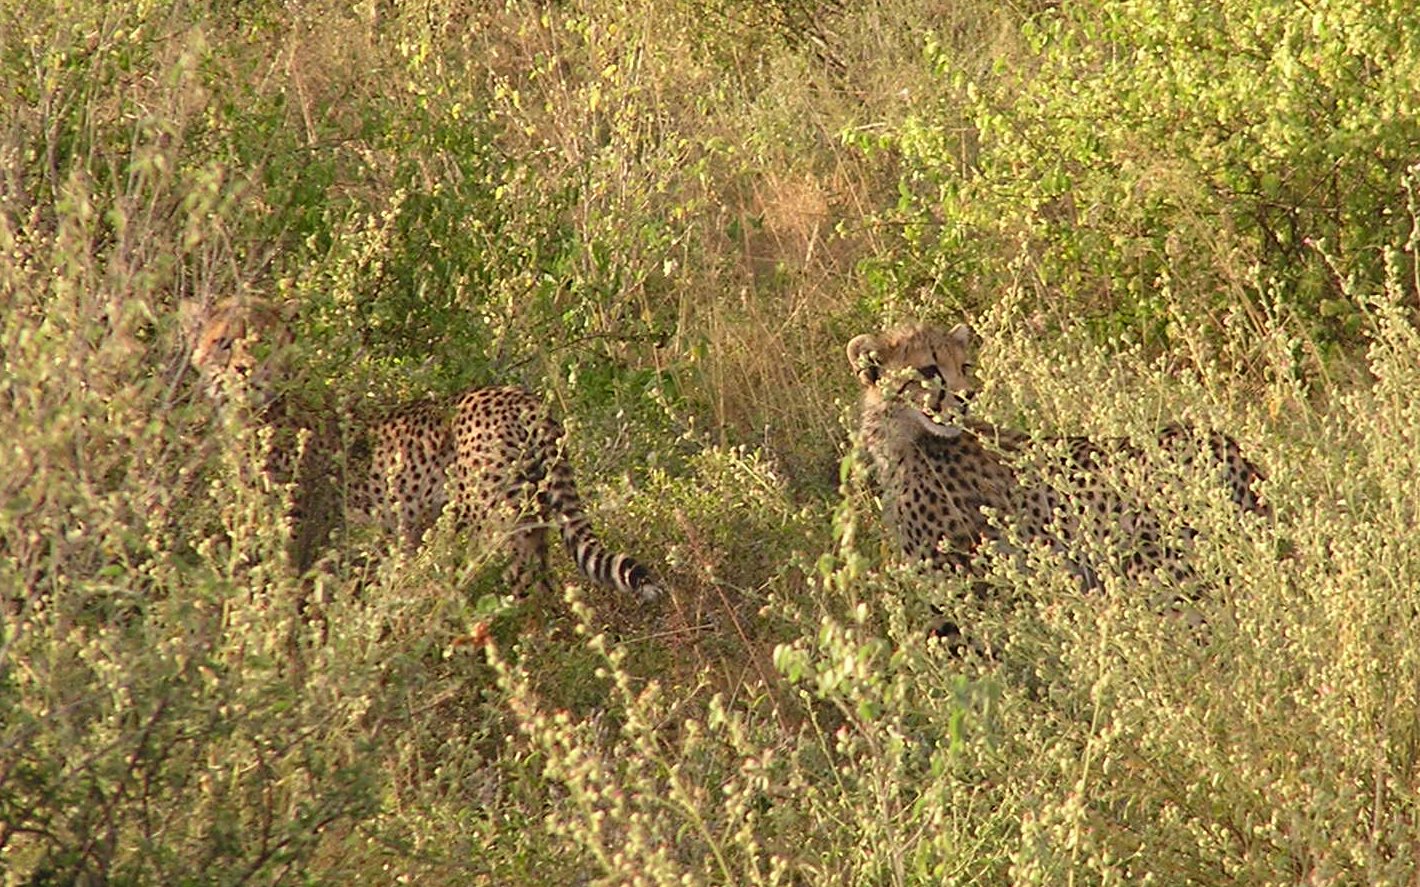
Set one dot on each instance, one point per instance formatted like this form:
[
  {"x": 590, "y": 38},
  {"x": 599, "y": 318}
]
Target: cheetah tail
[{"x": 615, "y": 570}]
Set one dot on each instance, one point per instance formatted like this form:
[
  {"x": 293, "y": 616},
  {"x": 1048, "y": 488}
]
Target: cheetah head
[
  {"x": 918, "y": 373},
  {"x": 236, "y": 347}
]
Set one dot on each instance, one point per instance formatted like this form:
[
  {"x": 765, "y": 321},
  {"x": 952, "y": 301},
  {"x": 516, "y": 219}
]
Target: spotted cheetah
[
  {"x": 941, "y": 471},
  {"x": 494, "y": 456}
]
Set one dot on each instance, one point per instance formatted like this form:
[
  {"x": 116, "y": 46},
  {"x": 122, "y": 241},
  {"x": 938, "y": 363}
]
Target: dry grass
[{"x": 670, "y": 217}]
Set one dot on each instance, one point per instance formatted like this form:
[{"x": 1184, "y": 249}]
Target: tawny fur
[
  {"x": 941, "y": 471},
  {"x": 495, "y": 457}
]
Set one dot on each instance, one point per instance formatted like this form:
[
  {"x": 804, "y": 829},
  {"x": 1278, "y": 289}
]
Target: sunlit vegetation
[{"x": 670, "y": 218}]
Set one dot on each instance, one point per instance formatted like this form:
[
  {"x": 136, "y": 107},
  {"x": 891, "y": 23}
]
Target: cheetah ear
[
  {"x": 862, "y": 358},
  {"x": 963, "y": 335}
]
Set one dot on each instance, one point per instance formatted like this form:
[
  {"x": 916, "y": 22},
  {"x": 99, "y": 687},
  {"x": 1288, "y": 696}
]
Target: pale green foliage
[
  {"x": 1151, "y": 157},
  {"x": 671, "y": 218}
]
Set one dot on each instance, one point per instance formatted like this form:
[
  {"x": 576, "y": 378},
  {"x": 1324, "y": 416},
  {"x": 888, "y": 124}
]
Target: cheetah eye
[
  {"x": 968, "y": 367},
  {"x": 930, "y": 372}
]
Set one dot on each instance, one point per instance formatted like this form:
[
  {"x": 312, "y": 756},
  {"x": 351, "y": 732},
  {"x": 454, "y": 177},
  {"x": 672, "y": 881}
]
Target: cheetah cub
[
  {"x": 940, "y": 470},
  {"x": 493, "y": 455}
]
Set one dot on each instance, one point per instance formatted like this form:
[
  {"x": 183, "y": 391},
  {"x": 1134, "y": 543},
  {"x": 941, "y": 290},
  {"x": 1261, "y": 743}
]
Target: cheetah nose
[{"x": 946, "y": 404}]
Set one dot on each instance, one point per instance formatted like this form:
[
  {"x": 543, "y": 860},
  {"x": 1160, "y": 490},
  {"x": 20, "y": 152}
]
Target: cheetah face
[
  {"x": 919, "y": 372},
  {"x": 234, "y": 348}
]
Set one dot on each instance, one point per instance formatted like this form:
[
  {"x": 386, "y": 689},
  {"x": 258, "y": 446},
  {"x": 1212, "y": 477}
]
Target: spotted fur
[
  {"x": 495, "y": 457},
  {"x": 941, "y": 471}
]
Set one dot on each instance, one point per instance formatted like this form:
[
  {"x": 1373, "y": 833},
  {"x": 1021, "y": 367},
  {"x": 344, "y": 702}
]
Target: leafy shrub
[
  {"x": 671, "y": 222},
  {"x": 1161, "y": 157}
]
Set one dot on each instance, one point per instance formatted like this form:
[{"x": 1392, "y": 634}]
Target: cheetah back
[
  {"x": 494, "y": 455},
  {"x": 940, "y": 470}
]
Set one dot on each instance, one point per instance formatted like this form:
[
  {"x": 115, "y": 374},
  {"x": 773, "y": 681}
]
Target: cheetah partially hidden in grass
[
  {"x": 941, "y": 471},
  {"x": 494, "y": 456}
]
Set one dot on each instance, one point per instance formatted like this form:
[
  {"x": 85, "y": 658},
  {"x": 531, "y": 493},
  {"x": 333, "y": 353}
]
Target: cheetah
[
  {"x": 494, "y": 456},
  {"x": 941, "y": 471}
]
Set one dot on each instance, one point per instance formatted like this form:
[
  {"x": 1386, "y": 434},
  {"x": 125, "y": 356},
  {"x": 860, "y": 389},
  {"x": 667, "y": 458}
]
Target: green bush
[
  {"x": 1157, "y": 161},
  {"x": 1105, "y": 743},
  {"x": 671, "y": 220}
]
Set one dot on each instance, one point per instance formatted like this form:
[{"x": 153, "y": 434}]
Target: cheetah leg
[{"x": 528, "y": 570}]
